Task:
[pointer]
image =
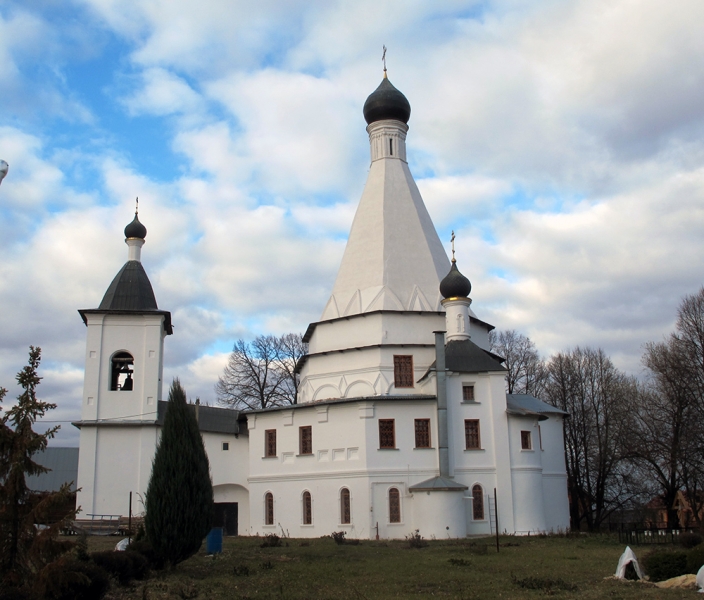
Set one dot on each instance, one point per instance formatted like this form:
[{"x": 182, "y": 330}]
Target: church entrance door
[{"x": 225, "y": 516}]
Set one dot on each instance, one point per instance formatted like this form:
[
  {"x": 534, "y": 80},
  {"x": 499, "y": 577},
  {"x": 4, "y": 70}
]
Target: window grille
[
  {"x": 477, "y": 503},
  {"x": 403, "y": 371},
  {"x": 305, "y": 440},
  {"x": 387, "y": 434},
  {"x": 394, "y": 506},
  {"x": 526, "y": 442},
  {"x": 269, "y": 508},
  {"x": 468, "y": 393},
  {"x": 270, "y": 443},
  {"x": 345, "y": 506},
  {"x": 472, "y": 438},
  {"x": 422, "y": 433},
  {"x": 307, "y": 509}
]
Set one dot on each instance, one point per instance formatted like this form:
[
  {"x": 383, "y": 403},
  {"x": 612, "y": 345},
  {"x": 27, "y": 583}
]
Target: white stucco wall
[
  {"x": 557, "y": 512},
  {"x": 527, "y": 476},
  {"x": 142, "y": 336},
  {"x": 114, "y": 461},
  {"x": 345, "y": 454}
]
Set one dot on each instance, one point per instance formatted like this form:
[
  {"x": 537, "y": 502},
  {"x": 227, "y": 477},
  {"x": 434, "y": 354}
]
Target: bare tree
[
  {"x": 585, "y": 383},
  {"x": 289, "y": 350},
  {"x": 669, "y": 441},
  {"x": 260, "y": 374},
  {"x": 526, "y": 372}
]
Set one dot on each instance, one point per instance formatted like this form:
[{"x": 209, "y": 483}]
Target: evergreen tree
[
  {"x": 25, "y": 551},
  {"x": 179, "y": 501}
]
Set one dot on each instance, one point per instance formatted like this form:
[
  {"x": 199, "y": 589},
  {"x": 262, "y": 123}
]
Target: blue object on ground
[{"x": 213, "y": 542}]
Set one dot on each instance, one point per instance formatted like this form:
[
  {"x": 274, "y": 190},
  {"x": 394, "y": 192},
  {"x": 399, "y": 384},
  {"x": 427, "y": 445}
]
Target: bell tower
[{"x": 122, "y": 386}]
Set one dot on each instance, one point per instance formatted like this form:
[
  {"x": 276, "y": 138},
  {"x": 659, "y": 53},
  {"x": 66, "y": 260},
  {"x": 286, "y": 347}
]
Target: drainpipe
[{"x": 443, "y": 451}]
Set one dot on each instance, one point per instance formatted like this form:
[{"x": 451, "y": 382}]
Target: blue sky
[{"x": 561, "y": 141}]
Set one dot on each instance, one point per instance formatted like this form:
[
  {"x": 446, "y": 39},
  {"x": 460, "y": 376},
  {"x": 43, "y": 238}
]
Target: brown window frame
[
  {"x": 269, "y": 443},
  {"x": 468, "y": 392},
  {"x": 305, "y": 439},
  {"x": 394, "y": 505},
  {"x": 403, "y": 371},
  {"x": 268, "y": 508},
  {"x": 469, "y": 435},
  {"x": 477, "y": 503},
  {"x": 345, "y": 507},
  {"x": 421, "y": 428},
  {"x": 526, "y": 440},
  {"x": 307, "y": 508},
  {"x": 384, "y": 435}
]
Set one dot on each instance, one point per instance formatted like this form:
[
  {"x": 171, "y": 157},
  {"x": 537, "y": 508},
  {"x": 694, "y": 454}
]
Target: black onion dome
[
  {"x": 135, "y": 229},
  {"x": 386, "y": 102},
  {"x": 131, "y": 289},
  {"x": 455, "y": 285}
]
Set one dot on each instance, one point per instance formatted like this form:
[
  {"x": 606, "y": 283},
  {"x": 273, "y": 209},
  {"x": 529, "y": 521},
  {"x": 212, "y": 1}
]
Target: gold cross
[
  {"x": 383, "y": 59},
  {"x": 452, "y": 239},
  {"x": 136, "y": 208}
]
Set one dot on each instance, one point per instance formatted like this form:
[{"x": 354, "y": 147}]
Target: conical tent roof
[{"x": 394, "y": 259}]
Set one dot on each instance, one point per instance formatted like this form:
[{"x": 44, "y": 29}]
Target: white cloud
[{"x": 163, "y": 93}]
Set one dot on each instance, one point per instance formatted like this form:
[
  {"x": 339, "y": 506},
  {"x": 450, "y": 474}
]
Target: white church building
[{"x": 402, "y": 420}]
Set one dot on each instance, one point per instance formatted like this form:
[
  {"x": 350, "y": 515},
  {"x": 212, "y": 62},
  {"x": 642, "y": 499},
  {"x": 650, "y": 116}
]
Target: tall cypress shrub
[{"x": 179, "y": 501}]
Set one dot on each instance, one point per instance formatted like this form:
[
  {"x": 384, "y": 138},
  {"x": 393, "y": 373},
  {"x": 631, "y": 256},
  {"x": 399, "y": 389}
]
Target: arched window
[
  {"x": 307, "y": 509},
  {"x": 345, "y": 516},
  {"x": 269, "y": 509},
  {"x": 121, "y": 370},
  {"x": 394, "y": 506},
  {"x": 477, "y": 503}
]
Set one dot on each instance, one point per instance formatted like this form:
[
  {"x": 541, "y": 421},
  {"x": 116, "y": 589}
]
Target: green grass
[{"x": 560, "y": 567}]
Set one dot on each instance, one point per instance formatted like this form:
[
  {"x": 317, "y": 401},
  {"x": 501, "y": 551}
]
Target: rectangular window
[
  {"x": 305, "y": 440},
  {"x": 472, "y": 437},
  {"x": 468, "y": 393},
  {"x": 226, "y": 445},
  {"x": 387, "y": 434},
  {"x": 270, "y": 443},
  {"x": 526, "y": 442},
  {"x": 540, "y": 437},
  {"x": 422, "y": 433},
  {"x": 403, "y": 371}
]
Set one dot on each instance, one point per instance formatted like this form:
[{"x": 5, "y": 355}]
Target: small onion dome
[
  {"x": 455, "y": 285},
  {"x": 135, "y": 229},
  {"x": 386, "y": 102}
]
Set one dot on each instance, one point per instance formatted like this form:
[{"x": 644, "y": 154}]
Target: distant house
[{"x": 656, "y": 511}]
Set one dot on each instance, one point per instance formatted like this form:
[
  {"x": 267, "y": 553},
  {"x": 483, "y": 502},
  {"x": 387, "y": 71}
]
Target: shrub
[
  {"x": 271, "y": 540},
  {"x": 338, "y": 537},
  {"x": 415, "y": 540},
  {"x": 690, "y": 540},
  {"x": 13, "y": 593},
  {"x": 661, "y": 565},
  {"x": 124, "y": 566},
  {"x": 695, "y": 559},
  {"x": 69, "y": 579},
  {"x": 154, "y": 559}
]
